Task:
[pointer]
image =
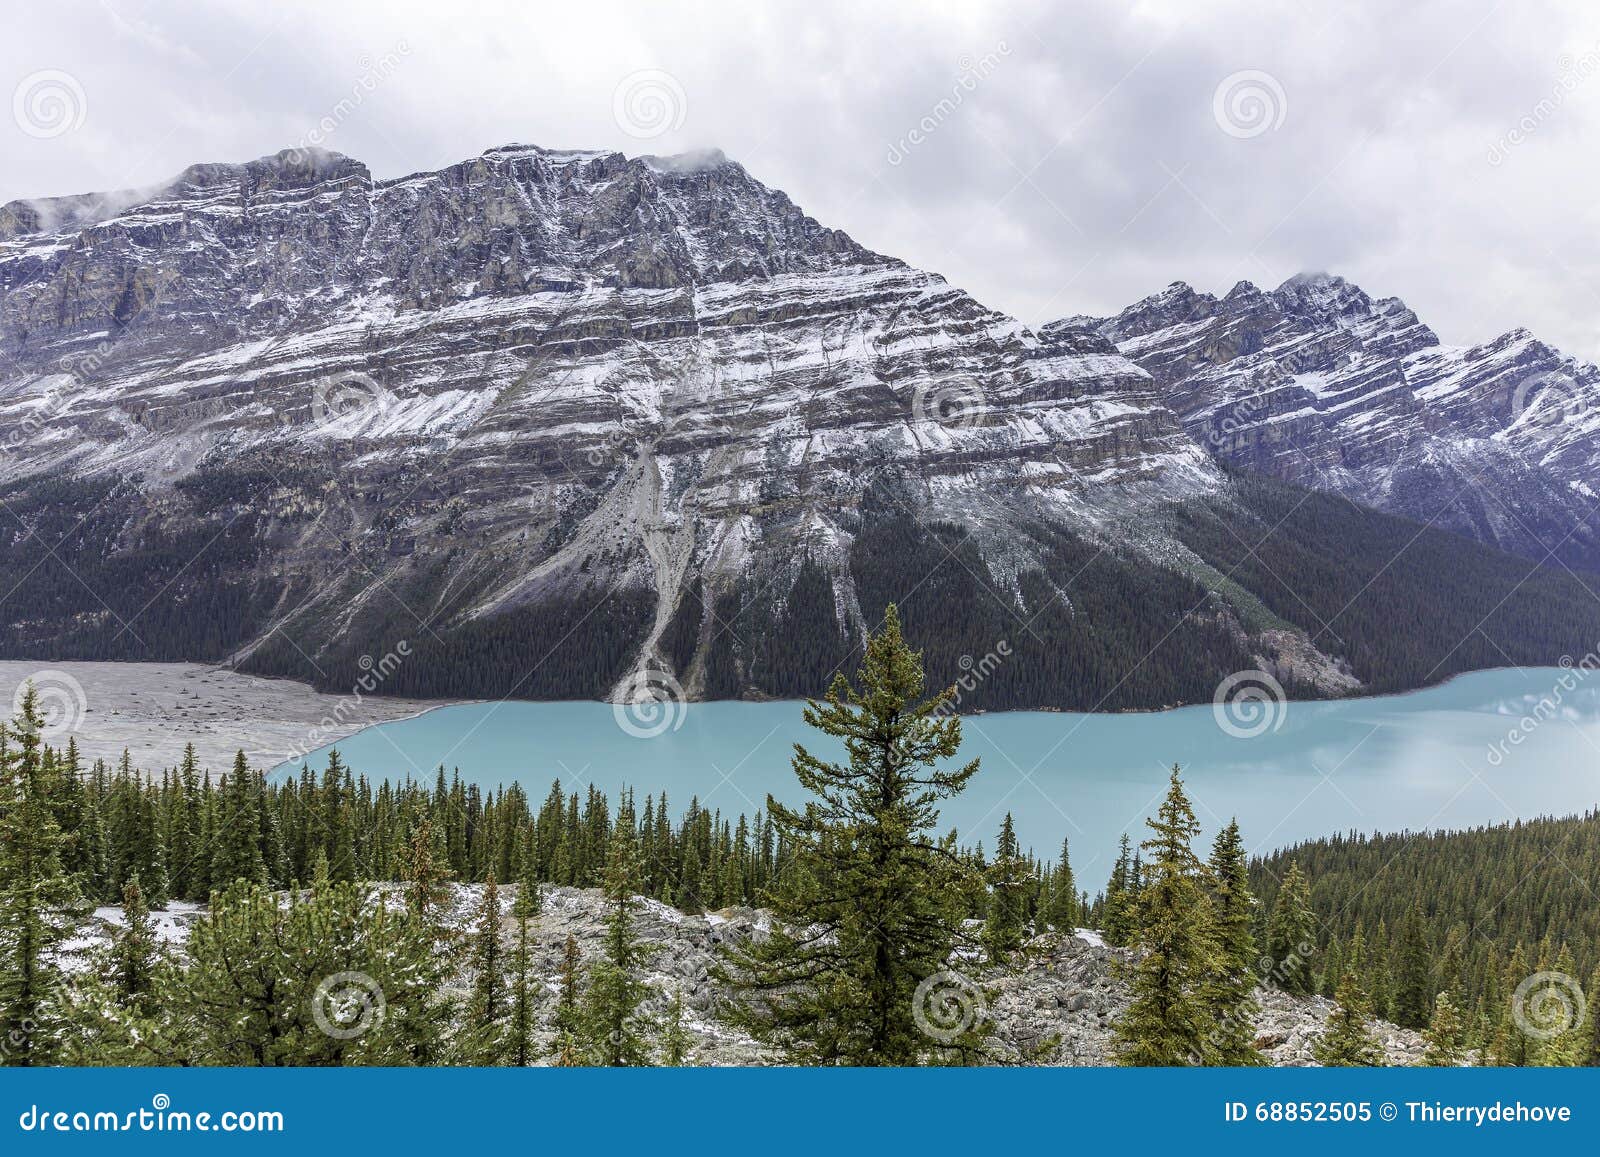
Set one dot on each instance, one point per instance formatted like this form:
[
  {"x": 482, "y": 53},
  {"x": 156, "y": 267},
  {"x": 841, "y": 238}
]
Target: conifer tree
[
  {"x": 1063, "y": 912},
  {"x": 1348, "y": 1041},
  {"x": 612, "y": 1029},
  {"x": 1118, "y": 915},
  {"x": 1444, "y": 1035},
  {"x": 873, "y": 903},
  {"x": 1009, "y": 880},
  {"x": 236, "y": 844},
  {"x": 135, "y": 952},
  {"x": 524, "y": 999},
  {"x": 489, "y": 1001},
  {"x": 675, "y": 1039},
  {"x": 1413, "y": 999},
  {"x": 1167, "y": 1019},
  {"x": 1229, "y": 988},
  {"x": 1291, "y": 933},
  {"x": 38, "y": 900},
  {"x": 567, "y": 1008}
]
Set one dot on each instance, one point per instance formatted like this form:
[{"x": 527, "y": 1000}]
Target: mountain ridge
[{"x": 578, "y": 424}]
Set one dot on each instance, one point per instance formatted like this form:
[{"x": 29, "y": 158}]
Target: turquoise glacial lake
[{"x": 1483, "y": 748}]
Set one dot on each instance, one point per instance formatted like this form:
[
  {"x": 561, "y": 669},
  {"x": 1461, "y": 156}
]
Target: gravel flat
[{"x": 153, "y": 709}]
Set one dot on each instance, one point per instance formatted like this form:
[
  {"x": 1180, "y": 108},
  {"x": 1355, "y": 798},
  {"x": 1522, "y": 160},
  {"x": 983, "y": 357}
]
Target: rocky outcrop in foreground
[{"x": 1065, "y": 990}]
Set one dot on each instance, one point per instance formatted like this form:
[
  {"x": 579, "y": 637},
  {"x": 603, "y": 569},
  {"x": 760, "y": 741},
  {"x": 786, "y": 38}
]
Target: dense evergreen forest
[
  {"x": 1438, "y": 932},
  {"x": 1095, "y": 626},
  {"x": 1470, "y": 912}
]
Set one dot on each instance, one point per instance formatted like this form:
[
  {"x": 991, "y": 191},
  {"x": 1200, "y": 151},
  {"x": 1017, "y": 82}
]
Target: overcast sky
[{"x": 1052, "y": 159}]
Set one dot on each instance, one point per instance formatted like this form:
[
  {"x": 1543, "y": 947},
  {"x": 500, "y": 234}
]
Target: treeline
[{"x": 1472, "y": 913}]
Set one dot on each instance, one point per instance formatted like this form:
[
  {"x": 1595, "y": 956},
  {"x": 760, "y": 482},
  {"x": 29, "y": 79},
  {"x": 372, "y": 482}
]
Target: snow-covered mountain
[
  {"x": 564, "y": 422},
  {"x": 1320, "y": 384}
]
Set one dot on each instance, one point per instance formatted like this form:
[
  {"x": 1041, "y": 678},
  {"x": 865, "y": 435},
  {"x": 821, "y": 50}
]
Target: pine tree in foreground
[
  {"x": 1347, "y": 1042},
  {"x": 524, "y": 982},
  {"x": 489, "y": 1000},
  {"x": 1167, "y": 1020},
  {"x": 1118, "y": 916},
  {"x": 567, "y": 1010},
  {"x": 1229, "y": 989},
  {"x": 1291, "y": 934},
  {"x": 675, "y": 1039},
  {"x": 1009, "y": 880},
  {"x": 135, "y": 952},
  {"x": 1063, "y": 912},
  {"x": 1444, "y": 1035},
  {"x": 38, "y": 900},
  {"x": 871, "y": 903},
  {"x": 612, "y": 1030}
]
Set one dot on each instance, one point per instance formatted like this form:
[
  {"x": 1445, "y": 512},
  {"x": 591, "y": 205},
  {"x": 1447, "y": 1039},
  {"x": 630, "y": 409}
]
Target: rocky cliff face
[
  {"x": 530, "y": 377},
  {"x": 560, "y": 424},
  {"x": 1320, "y": 384}
]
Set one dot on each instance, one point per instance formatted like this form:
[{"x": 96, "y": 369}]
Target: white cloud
[{"x": 1082, "y": 170}]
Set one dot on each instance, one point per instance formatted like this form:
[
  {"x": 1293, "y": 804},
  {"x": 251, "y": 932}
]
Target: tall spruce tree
[
  {"x": 38, "y": 900},
  {"x": 1348, "y": 1041},
  {"x": 1010, "y": 878},
  {"x": 490, "y": 1001},
  {"x": 1062, "y": 912},
  {"x": 1444, "y": 1035},
  {"x": 613, "y": 1030},
  {"x": 236, "y": 843},
  {"x": 1413, "y": 994},
  {"x": 871, "y": 903},
  {"x": 1167, "y": 1020},
  {"x": 1291, "y": 934},
  {"x": 1229, "y": 989},
  {"x": 1118, "y": 915}
]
